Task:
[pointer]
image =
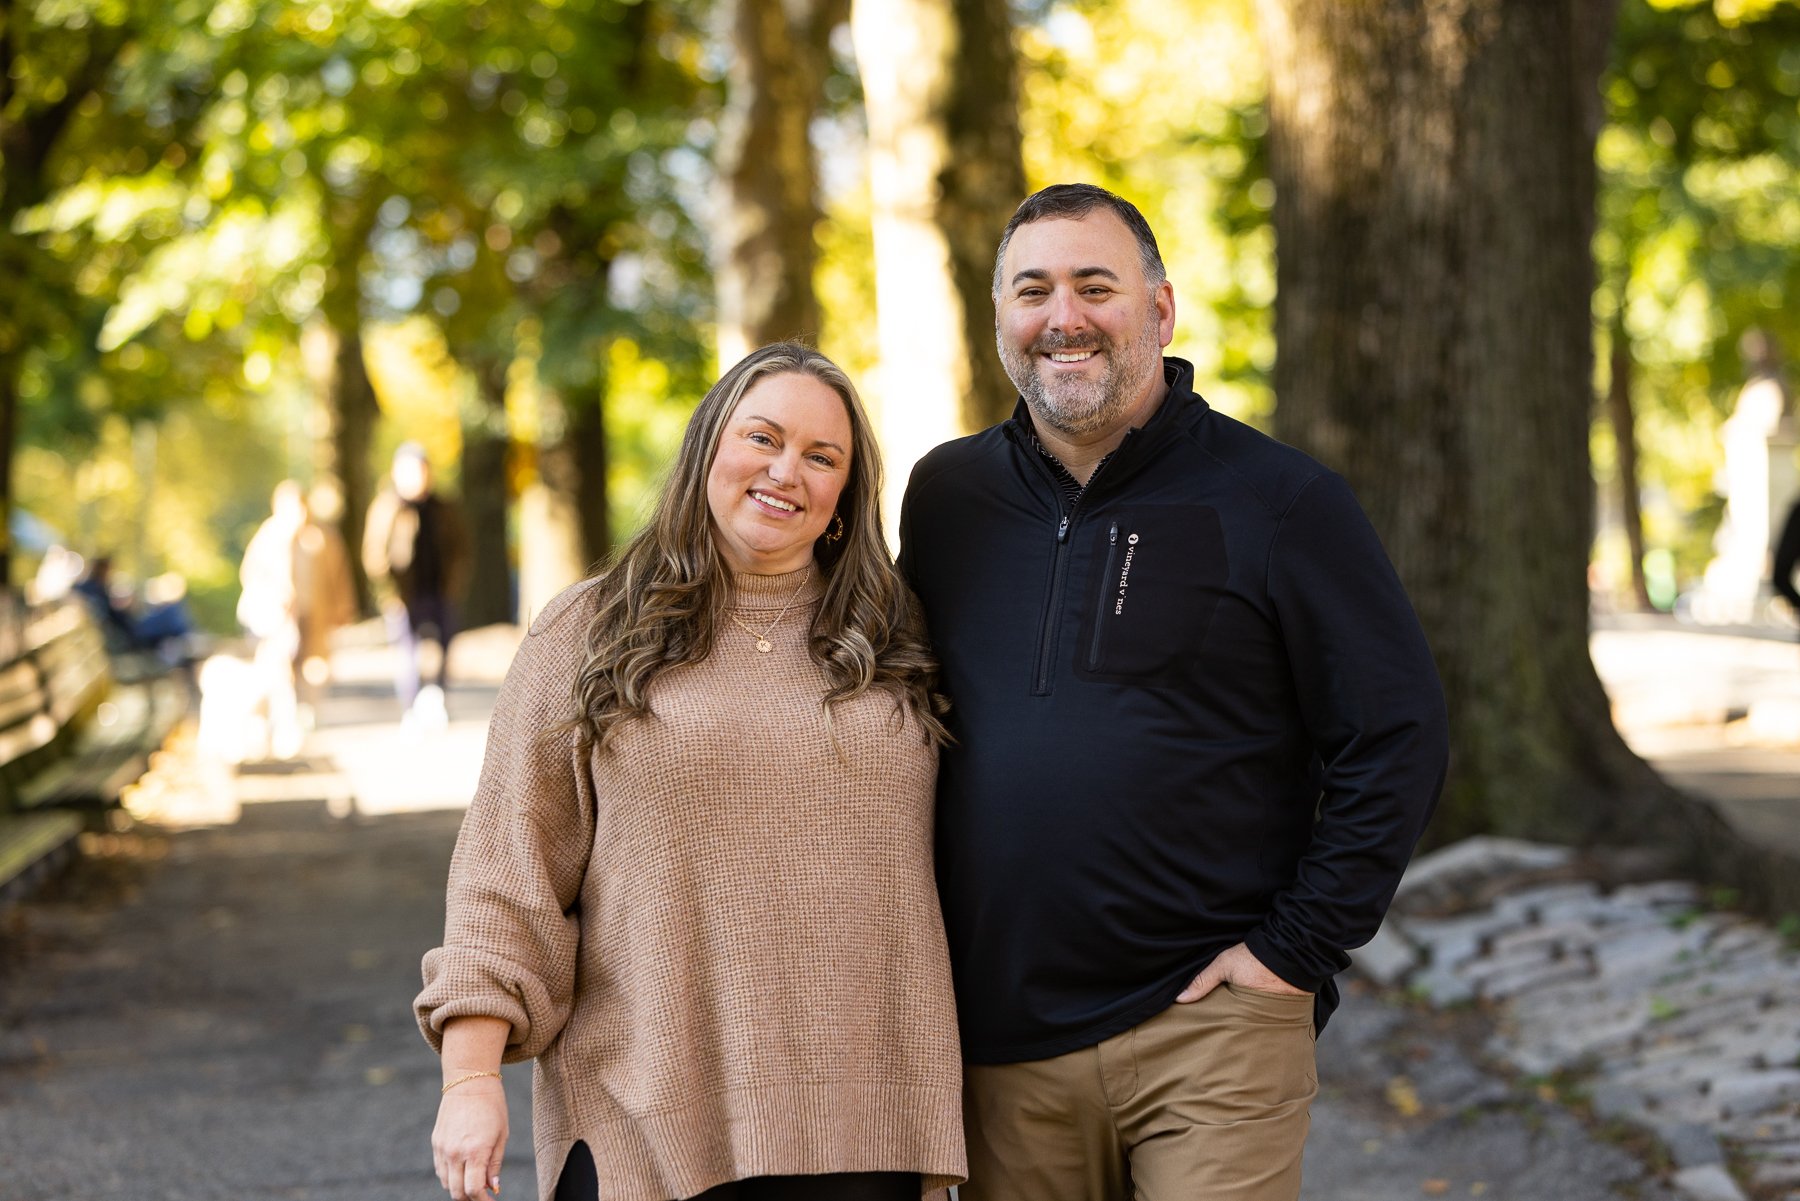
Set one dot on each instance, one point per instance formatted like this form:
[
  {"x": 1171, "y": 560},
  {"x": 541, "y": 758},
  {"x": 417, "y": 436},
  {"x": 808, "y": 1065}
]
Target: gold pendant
[{"x": 764, "y": 645}]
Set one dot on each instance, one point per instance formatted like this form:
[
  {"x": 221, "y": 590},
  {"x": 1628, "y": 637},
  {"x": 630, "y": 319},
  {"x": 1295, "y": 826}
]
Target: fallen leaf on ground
[{"x": 1403, "y": 1096}]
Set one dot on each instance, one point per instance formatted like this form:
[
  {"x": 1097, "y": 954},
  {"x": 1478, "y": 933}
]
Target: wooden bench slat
[
  {"x": 56, "y": 755},
  {"x": 18, "y": 678},
  {"x": 18, "y": 709},
  {"x": 27, "y": 839},
  {"x": 26, "y": 737},
  {"x": 50, "y": 623}
]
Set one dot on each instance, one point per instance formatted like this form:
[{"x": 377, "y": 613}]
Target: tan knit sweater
[{"x": 720, "y": 942}]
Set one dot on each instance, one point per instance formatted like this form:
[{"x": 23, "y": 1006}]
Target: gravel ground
[{"x": 223, "y": 1013}]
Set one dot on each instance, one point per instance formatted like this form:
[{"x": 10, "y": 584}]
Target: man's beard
[{"x": 1073, "y": 405}]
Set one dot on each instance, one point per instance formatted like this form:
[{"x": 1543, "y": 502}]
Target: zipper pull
[
  {"x": 1062, "y": 529},
  {"x": 1112, "y": 535}
]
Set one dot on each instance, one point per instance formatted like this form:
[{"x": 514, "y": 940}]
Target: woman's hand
[{"x": 470, "y": 1138}]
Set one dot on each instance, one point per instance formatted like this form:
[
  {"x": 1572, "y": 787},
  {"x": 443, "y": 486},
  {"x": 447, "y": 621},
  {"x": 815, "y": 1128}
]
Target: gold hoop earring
[{"x": 836, "y": 532}]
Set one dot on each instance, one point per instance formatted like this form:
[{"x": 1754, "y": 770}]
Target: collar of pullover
[{"x": 1179, "y": 408}]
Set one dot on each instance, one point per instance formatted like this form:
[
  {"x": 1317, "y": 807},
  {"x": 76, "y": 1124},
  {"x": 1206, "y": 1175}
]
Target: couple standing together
[{"x": 1191, "y": 735}]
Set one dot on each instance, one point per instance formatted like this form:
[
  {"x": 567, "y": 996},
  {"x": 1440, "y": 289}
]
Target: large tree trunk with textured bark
[
  {"x": 945, "y": 170},
  {"x": 1434, "y": 175},
  {"x": 768, "y": 172}
]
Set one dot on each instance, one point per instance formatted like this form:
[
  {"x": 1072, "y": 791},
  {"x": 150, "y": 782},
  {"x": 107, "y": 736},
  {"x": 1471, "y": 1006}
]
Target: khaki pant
[{"x": 1203, "y": 1102}]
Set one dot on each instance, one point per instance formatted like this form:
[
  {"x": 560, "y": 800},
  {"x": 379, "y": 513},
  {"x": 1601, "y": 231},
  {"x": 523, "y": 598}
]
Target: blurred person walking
[
  {"x": 324, "y": 594},
  {"x": 416, "y": 553},
  {"x": 695, "y": 883},
  {"x": 268, "y": 609}
]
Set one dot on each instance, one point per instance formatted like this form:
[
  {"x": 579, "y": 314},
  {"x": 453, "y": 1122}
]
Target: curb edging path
[{"x": 1677, "y": 1020}]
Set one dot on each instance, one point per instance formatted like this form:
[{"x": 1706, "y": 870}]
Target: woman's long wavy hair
[{"x": 665, "y": 595}]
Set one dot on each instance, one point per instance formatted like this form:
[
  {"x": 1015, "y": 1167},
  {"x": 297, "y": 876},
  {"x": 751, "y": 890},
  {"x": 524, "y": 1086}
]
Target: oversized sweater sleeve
[
  {"x": 1374, "y": 709},
  {"x": 512, "y": 922}
]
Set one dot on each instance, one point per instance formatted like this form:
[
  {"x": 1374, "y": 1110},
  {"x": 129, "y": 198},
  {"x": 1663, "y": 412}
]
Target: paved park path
[{"x": 223, "y": 1011}]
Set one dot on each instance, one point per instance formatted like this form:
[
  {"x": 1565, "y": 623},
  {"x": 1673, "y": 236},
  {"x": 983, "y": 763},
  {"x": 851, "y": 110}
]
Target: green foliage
[
  {"x": 225, "y": 173},
  {"x": 1191, "y": 159},
  {"x": 1699, "y": 229},
  {"x": 1789, "y": 929},
  {"x": 184, "y": 187}
]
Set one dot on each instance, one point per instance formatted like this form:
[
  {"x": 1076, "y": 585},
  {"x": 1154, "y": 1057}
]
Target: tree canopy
[{"x": 517, "y": 209}]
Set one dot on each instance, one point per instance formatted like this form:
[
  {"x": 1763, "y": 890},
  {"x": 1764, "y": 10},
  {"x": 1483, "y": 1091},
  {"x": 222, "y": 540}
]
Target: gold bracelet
[{"x": 465, "y": 1080}]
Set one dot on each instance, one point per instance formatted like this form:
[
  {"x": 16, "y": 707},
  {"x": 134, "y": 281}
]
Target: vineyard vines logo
[{"x": 1125, "y": 574}]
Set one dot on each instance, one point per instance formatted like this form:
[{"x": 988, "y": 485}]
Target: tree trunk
[
  {"x": 943, "y": 150},
  {"x": 354, "y": 412},
  {"x": 343, "y": 426},
  {"x": 981, "y": 184},
  {"x": 1624, "y": 427},
  {"x": 1434, "y": 186},
  {"x": 564, "y": 520},
  {"x": 347, "y": 407},
  {"x": 768, "y": 172},
  {"x": 9, "y": 425},
  {"x": 489, "y": 599},
  {"x": 587, "y": 443}
]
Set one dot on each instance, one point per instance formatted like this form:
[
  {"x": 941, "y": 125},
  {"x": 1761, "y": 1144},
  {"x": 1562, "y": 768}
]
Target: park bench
[{"x": 76, "y": 728}]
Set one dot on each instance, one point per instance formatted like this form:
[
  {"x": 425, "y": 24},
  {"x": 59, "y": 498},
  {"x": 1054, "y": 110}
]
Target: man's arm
[
  {"x": 1374, "y": 709},
  {"x": 1787, "y": 558}
]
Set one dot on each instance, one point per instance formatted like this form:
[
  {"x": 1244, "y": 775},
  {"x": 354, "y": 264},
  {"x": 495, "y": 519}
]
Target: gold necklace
[{"x": 762, "y": 640}]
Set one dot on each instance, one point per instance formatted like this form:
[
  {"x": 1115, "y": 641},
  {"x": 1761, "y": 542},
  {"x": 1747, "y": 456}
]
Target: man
[
  {"x": 416, "y": 553},
  {"x": 1787, "y": 560},
  {"x": 1199, "y": 733}
]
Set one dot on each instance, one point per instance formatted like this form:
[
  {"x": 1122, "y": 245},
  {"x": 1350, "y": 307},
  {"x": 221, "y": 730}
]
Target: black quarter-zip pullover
[{"x": 1192, "y": 710}]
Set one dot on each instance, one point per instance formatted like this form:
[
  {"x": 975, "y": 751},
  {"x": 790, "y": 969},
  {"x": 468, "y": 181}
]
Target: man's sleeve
[
  {"x": 1787, "y": 558},
  {"x": 1374, "y": 709}
]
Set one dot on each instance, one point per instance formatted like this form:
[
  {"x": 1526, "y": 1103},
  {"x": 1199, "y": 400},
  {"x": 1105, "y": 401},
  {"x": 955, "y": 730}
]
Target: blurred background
[
  {"x": 1527, "y": 272},
  {"x": 263, "y": 239},
  {"x": 257, "y": 240}
]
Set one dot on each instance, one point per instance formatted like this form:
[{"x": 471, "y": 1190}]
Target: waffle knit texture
[{"x": 719, "y": 940}]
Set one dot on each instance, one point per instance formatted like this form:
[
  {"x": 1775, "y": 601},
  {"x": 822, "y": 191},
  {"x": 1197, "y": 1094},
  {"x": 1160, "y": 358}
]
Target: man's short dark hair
[{"x": 1072, "y": 202}]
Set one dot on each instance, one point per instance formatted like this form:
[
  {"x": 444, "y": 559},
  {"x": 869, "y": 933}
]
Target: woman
[{"x": 695, "y": 882}]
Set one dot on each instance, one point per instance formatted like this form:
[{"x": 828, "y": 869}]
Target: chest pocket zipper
[{"x": 1106, "y": 591}]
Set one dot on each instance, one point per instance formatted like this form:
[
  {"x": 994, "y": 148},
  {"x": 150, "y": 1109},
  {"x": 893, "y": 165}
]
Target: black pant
[{"x": 579, "y": 1182}]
